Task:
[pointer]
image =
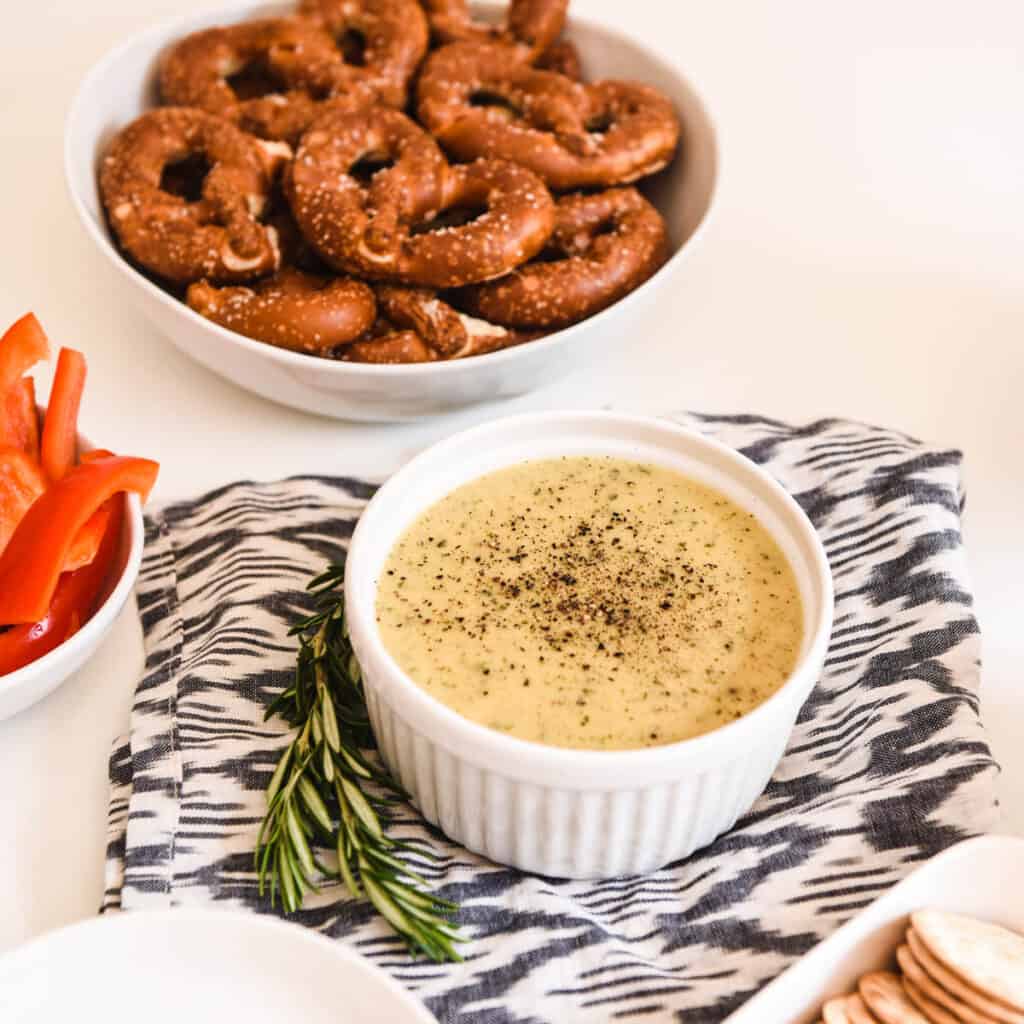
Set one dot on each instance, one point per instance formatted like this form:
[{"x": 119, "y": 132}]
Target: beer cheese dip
[{"x": 591, "y": 602}]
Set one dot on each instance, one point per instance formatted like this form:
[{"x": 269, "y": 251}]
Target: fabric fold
[{"x": 887, "y": 766}]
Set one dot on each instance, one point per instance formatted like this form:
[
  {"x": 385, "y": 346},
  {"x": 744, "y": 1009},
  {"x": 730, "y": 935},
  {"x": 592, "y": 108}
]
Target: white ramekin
[{"x": 560, "y": 812}]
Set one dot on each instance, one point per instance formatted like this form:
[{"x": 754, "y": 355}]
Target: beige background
[{"x": 865, "y": 260}]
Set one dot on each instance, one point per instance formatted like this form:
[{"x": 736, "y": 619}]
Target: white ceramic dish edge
[
  {"x": 26, "y": 686},
  {"x": 980, "y": 877},
  {"x": 263, "y": 970},
  {"x": 563, "y": 812},
  {"x": 116, "y": 89}
]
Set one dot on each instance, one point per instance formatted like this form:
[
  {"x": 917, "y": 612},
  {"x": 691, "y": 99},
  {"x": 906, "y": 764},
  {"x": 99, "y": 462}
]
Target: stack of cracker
[{"x": 952, "y": 970}]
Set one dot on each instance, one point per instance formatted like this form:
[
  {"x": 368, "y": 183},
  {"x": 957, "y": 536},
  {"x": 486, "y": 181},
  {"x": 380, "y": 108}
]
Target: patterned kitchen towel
[{"x": 887, "y": 766}]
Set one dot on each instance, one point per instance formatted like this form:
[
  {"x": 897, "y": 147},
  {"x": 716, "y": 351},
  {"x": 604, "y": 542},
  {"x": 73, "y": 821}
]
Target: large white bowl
[
  {"x": 554, "y": 811},
  {"x": 121, "y": 87},
  {"x": 26, "y": 686}
]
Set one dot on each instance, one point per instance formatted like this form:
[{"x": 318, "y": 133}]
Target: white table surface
[{"x": 866, "y": 260}]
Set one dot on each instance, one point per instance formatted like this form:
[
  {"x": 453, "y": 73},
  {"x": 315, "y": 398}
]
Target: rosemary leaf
[
  {"x": 325, "y": 786},
  {"x": 312, "y": 799}
]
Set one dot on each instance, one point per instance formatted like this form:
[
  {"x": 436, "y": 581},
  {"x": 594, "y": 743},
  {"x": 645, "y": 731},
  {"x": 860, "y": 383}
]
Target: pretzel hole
[
  {"x": 254, "y": 81},
  {"x": 486, "y": 98},
  {"x": 364, "y": 169},
  {"x": 184, "y": 178},
  {"x": 352, "y": 44},
  {"x": 453, "y": 217},
  {"x": 599, "y": 123},
  {"x": 550, "y": 254}
]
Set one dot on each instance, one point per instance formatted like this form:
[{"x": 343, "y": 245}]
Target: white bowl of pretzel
[{"x": 384, "y": 209}]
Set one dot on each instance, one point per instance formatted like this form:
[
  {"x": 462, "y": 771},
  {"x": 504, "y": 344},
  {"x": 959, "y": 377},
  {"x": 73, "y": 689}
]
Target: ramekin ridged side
[
  {"x": 549, "y": 810},
  {"x": 562, "y": 832}
]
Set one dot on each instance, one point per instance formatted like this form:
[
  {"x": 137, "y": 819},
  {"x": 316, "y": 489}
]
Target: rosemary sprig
[{"x": 326, "y": 792}]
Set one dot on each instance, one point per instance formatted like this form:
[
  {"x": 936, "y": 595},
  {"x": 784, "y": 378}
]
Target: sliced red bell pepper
[
  {"x": 19, "y": 420},
  {"x": 21, "y": 483},
  {"x": 74, "y": 602},
  {"x": 87, "y": 540},
  {"x": 31, "y": 564},
  {"x": 60, "y": 425},
  {"x": 95, "y": 453},
  {"x": 23, "y": 345}
]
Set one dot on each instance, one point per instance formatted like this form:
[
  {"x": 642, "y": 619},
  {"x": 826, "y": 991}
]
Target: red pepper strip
[
  {"x": 74, "y": 602},
  {"x": 94, "y": 454},
  {"x": 60, "y": 425},
  {"x": 32, "y": 562},
  {"x": 21, "y": 483},
  {"x": 19, "y": 421},
  {"x": 22, "y": 346},
  {"x": 87, "y": 540}
]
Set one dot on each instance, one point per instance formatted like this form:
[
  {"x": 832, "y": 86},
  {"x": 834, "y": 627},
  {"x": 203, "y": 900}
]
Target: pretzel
[
  {"x": 386, "y": 39},
  {"x": 479, "y": 100},
  {"x": 270, "y": 77},
  {"x": 609, "y": 244},
  {"x": 418, "y": 327},
  {"x": 530, "y": 26},
  {"x": 382, "y": 230},
  {"x": 291, "y": 309},
  {"x": 213, "y": 231},
  {"x": 562, "y": 57}
]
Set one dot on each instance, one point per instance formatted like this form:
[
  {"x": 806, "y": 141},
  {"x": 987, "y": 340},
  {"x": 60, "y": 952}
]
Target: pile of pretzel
[{"x": 390, "y": 181}]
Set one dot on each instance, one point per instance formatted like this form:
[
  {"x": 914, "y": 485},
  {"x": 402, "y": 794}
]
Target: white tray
[{"x": 981, "y": 877}]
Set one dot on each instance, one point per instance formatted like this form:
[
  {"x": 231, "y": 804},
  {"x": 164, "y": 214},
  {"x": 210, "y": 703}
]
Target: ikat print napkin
[{"x": 887, "y": 765}]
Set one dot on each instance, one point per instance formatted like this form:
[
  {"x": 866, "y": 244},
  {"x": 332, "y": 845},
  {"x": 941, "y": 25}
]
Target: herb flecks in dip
[{"x": 591, "y": 602}]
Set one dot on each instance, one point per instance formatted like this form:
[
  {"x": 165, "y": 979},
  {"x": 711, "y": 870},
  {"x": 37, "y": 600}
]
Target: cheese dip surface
[{"x": 591, "y": 602}]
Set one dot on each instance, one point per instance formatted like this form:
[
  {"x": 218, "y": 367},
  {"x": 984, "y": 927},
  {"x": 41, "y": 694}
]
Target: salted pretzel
[
  {"x": 386, "y": 39},
  {"x": 290, "y": 309},
  {"x": 274, "y": 75},
  {"x": 381, "y": 228},
  {"x": 416, "y": 326},
  {"x": 604, "y": 246},
  {"x": 478, "y": 100},
  {"x": 562, "y": 57},
  {"x": 529, "y": 27},
  {"x": 208, "y": 227}
]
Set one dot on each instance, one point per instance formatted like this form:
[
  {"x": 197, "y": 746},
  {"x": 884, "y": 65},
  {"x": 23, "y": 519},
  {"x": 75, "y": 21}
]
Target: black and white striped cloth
[{"x": 888, "y": 764}]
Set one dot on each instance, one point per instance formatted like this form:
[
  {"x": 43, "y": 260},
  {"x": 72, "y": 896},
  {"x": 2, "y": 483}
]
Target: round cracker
[
  {"x": 858, "y": 1012},
  {"x": 883, "y": 992},
  {"x": 957, "y": 988},
  {"x": 932, "y": 990},
  {"x": 847, "y": 1010},
  {"x": 933, "y": 1011},
  {"x": 986, "y": 956},
  {"x": 834, "y": 1011}
]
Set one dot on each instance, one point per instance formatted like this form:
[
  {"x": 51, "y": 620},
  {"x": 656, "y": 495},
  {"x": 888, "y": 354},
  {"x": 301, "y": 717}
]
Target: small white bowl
[
  {"x": 122, "y": 86},
  {"x": 560, "y": 812},
  {"x": 978, "y": 877},
  {"x": 27, "y": 685}
]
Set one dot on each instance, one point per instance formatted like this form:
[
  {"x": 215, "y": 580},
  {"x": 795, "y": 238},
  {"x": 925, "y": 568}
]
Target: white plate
[
  {"x": 197, "y": 967},
  {"x": 980, "y": 877}
]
